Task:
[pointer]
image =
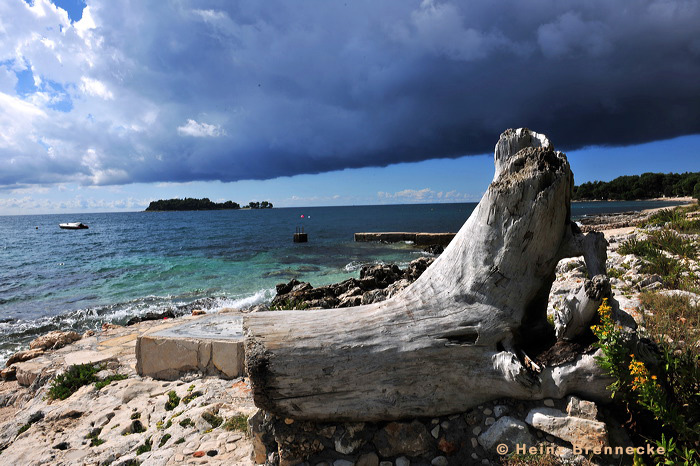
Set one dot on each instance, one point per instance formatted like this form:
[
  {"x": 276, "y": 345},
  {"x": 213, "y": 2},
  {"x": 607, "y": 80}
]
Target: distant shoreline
[{"x": 687, "y": 199}]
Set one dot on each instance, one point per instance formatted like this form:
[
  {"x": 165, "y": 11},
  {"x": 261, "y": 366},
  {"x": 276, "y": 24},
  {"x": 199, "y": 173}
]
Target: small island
[
  {"x": 639, "y": 187},
  {"x": 165, "y": 205}
]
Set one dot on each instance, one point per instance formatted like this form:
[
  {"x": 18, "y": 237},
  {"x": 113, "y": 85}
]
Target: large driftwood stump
[{"x": 459, "y": 335}]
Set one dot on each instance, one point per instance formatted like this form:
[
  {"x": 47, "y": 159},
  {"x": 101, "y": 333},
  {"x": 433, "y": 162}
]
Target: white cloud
[
  {"x": 95, "y": 88},
  {"x": 200, "y": 130},
  {"x": 424, "y": 195}
]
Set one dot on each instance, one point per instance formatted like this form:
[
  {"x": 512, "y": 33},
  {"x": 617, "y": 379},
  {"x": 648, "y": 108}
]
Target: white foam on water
[
  {"x": 354, "y": 266},
  {"x": 259, "y": 297}
]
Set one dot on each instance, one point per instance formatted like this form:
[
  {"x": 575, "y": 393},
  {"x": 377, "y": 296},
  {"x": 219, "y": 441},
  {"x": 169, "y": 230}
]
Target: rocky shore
[{"x": 207, "y": 420}]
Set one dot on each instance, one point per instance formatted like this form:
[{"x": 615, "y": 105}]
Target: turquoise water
[{"x": 127, "y": 264}]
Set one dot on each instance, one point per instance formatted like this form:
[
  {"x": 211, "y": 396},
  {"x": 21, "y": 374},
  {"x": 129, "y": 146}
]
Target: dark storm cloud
[{"x": 256, "y": 90}]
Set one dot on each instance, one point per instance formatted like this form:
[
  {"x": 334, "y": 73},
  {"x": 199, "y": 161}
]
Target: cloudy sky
[{"x": 106, "y": 105}]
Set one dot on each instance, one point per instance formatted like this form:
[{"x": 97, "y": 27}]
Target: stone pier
[{"x": 421, "y": 239}]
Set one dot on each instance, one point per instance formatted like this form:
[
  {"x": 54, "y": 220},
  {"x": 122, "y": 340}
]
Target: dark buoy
[{"x": 300, "y": 236}]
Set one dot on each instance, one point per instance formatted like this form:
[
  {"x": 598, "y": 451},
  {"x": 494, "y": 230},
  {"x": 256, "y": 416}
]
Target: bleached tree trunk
[{"x": 456, "y": 337}]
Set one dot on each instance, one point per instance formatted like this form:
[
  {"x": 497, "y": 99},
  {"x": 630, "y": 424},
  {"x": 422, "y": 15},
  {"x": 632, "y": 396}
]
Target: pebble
[
  {"x": 208, "y": 446},
  {"x": 549, "y": 438},
  {"x": 439, "y": 461},
  {"x": 476, "y": 430},
  {"x": 485, "y": 461},
  {"x": 445, "y": 425},
  {"x": 549, "y": 402},
  {"x": 342, "y": 463},
  {"x": 187, "y": 451},
  {"x": 198, "y": 453},
  {"x": 179, "y": 458},
  {"x": 475, "y": 442},
  {"x": 489, "y": 421},
  {"x": 192, "y": 445},
  {"x": 435, "y": 432},
  {"x": 403, "y": 461},
  {"x": 386, "y": 463},
  {"x": 487, "y": 412},
  {"x": 212, "y": 452},
  {"x": 500, "y": 410},
  {"x": 475, "y": 456},
  {"x": 368, "y": 459}
]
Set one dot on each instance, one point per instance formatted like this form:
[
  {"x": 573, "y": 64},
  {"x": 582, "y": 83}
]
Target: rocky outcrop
[
  {"x": 582, "y": 433},
  {"x": 54, "y": 340},
  {"x": 376, "y": 283},
  {"x": 132, "y": 421}
]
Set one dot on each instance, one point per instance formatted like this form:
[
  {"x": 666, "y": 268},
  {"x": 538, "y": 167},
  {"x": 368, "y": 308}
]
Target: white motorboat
[{"x": 73, "y": 226}]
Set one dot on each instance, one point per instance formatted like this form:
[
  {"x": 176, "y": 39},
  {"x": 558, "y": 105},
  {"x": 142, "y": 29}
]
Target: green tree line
[
  {"x": 201, "y": 204},
  {"x": 645, "y": 186}
]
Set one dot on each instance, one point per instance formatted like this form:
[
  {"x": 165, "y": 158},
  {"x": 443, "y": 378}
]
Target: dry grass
[{"x": 674, "y": 318}]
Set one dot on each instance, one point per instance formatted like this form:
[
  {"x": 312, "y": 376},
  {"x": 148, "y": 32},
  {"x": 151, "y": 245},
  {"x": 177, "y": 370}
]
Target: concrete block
[{"x": 212, "y": 345}]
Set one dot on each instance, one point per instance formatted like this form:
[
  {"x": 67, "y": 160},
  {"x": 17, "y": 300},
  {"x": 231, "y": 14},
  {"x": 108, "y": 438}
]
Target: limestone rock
[
  {"x": 581, "y": 408},
  {"x": 509, "y": 431},
  {"x": 351, "y": 440},
  {"x": 22, "y": 356},
  {"x": 402, "y": 438},
  {"x": 54, "y": 340},
  {"x": 28, "y": 372},
  {"x": 583, "y": 433},
  {"x": 8, "y": 373}
]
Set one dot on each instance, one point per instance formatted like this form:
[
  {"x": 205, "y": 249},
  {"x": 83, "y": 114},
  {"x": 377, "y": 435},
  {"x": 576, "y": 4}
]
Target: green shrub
[
  {"x": 674, "y": 243},
  {"x": 641, "y": 248},
  {"x": 191, "y": 396},
  {"x": 145, "y": 447},
  {"x": 24, "y": 428},
  {"x": 239, "y": 423},
  {"x": 94, "y": 438},
  {"x": 186, "y": 422},
  {"x": 77, "y": 375},
  {"x": 163, "y": 440},
  {"x": 173, "y": 401},
  {"x": 100, "y": 384},
  {"x": 180, "y": 440},
  {"x": 212, "y": 419}
]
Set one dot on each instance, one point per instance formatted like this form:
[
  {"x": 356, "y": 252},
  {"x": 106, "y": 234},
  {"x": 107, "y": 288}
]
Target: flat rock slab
[
  {"x": 87, "y": 357},
  {"x": 211, "y": 345}
]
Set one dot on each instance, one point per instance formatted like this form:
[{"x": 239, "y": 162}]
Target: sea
[{"x": 129, "y": 264}]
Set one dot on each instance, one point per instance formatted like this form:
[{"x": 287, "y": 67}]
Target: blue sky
[{"x": 105, "y": 106}]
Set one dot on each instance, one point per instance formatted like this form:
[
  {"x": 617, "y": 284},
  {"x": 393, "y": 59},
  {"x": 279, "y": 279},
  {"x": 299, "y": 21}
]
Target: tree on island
[
  {"x": 645, "y": 186},
  {"x": 260, "y": 205},
  {"x": 190, "y": 204}
]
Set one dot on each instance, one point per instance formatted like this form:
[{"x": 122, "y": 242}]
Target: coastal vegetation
[
  {"x": 165, "y": 205},
  {"x": 657, "y": 381},
  {"x": 79, "y": 375},
  {"x": 645, "y": 186}
]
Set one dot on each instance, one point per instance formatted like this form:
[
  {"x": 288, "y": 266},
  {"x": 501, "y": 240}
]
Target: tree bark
[{"x": 458, "y": 335}]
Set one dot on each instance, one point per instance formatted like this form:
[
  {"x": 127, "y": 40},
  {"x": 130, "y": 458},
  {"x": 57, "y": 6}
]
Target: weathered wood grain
[{"x": 456, "y": 336}]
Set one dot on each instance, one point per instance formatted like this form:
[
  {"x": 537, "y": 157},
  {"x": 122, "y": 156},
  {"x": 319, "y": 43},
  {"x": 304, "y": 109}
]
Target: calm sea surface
[{"x": 127, "y": 264}]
